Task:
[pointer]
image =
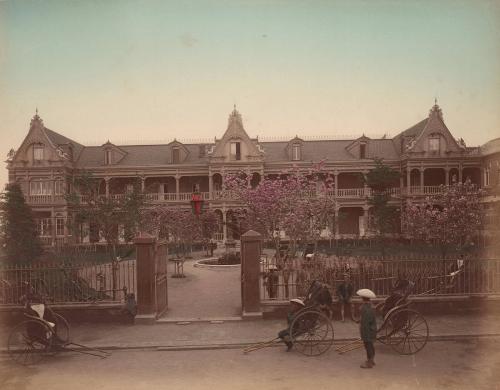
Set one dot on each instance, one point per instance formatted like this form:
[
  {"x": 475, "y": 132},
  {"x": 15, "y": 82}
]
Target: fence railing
[
  {"x": 431, "y": 277},
  {"x": 62, "y": 283}
]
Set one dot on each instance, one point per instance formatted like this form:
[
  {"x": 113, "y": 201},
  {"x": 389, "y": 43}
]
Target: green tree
[
  {"x": 385, "y": 216},
  {"x": 106, "y": 213},
  {"x": 18, "y": 228}
]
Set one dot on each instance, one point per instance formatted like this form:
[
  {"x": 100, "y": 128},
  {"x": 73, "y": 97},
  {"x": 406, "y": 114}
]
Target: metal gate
[{"x": 161, "y": 291}]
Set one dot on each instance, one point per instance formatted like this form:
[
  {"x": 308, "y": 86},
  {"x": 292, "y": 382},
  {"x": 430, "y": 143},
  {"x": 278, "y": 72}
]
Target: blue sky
[{"x": 154, "y": 70}]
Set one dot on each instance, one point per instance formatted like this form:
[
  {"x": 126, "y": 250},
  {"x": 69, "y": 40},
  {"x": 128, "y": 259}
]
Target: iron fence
[
  {"x": 68, "y": 283},
  {"x": 292, "y": 277}
]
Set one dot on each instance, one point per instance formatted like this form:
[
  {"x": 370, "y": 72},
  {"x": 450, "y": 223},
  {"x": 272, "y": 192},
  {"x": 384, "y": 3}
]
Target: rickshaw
[
  {"x": 402, "y": 328},
  {"x": 311, "y": 330},
  {"x": 42, "y": 333}
]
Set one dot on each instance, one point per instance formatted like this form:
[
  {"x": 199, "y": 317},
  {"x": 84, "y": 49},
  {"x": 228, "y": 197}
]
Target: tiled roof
[
  {"x": 141, "y": 155},
  {"x": 491, "y": 147},
  {"x": 59, "y": 139},
  {"x": 331, "y": 150},
  {"x": 413, "y": 131}
]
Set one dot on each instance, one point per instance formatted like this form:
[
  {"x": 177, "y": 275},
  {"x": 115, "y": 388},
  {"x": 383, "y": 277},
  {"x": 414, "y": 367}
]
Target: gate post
[
  {"x": 250, "y": 274},
  {"x": 145, "y": 267}
]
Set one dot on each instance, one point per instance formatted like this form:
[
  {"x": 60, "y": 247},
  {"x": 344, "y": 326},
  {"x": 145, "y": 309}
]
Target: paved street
[{"x": 465, "y": 364}]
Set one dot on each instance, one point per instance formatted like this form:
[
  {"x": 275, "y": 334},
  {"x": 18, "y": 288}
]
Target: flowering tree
[
  {"x": 449, "y": 219},
  {"x": 180, "y": 226},
  {"x": 298, "y": 204}
]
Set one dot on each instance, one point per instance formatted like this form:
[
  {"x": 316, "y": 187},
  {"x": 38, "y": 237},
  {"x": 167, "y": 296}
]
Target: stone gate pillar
[
  {"x": 250, "y": 274},
  {"x": 145, "y": 268}
]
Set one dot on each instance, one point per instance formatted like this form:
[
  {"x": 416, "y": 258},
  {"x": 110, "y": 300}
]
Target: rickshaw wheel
[
  {"x": 407, "y": 331},
  {"x": 29, "y": 341},
  {"x": 311, "y": 332}
]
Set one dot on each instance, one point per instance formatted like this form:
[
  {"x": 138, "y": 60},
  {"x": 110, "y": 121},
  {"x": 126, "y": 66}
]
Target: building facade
[{"x": 426, "y": 154}]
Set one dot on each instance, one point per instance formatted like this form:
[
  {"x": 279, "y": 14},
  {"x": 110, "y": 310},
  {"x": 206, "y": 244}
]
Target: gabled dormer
[
  {"x": 235, "y": 145},
  {"x": 178, "y": 152},
  {"x": 37, "y": 148},
  {"x": 294, "y": 149},
  {"x": 435, "y": 140},
  {"x": 112, "y": 154},
  {"x": 360, "y": 148}
]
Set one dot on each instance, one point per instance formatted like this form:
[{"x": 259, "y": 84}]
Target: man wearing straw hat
[
  {"x": 296, "y": 305},
  {"x": 368, "y": 326}
]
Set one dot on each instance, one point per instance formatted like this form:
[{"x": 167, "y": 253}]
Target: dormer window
[
  {"x": 38, "y": 153},
  {"x": 108, "y": 157},
  {"x": 362, "y": 151},
  {"x": 434, "y": 144},
  {"x": 235, "y": 151},
  {"x": 296, "y": 152},
  {"x": 176, "y": 155}
]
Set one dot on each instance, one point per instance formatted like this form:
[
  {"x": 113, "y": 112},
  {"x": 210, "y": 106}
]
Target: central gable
[
  {"x": 235, "y": 144},
  {"x": 435, "y": 138}
]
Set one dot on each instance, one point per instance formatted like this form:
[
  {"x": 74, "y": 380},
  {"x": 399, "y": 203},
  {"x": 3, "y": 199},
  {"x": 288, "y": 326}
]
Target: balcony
[
  {"x": 44, "y": 199},
  {"x": 185, "y": 197},
  {"x": 422, "y": 191}
]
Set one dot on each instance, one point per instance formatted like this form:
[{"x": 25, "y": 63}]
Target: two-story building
[{"x": 426, "y": 154}]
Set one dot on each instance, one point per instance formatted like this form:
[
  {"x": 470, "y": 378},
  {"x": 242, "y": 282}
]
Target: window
[
  {"x": 108, "y": 157},
  {"x": 59, "y": 226},
  {"x": 296, "y": 152},
  {"x": 362, "y": 150},
  {"x": 38, "y": 152},
  {"x": 59, "y": 187},
  {"x": 196, "y": 187},
  {"x": 487, "y": 177},
  {"x": 434, "y": 144},
  {"x": 176, "y": 156},
  {"x": 40, "y": 188},
  {"x": 235, "y": 151},
  {"x": 43, "y": 226},
  {"x": 129, "y": 189}
]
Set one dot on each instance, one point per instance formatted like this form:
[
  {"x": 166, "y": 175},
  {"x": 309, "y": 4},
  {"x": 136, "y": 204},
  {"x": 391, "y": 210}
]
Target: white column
[
  {"x": 460, "y": 173},
  {"x": 447, "y": 176},
  {"x": 337, "y": 228},
  {"x": 53, "y": 225},
  {"x": 224, "y": 225},
  {"x": 408, "y": 181},
  {"x": 106, "y": 180},
  {"x": 365, "y": 220},
  {"x": 336, "y": 183},
  {"x": 210, "y": 185},
  {"x": 421, "y": 180},
  {"x": 177, "y": 186}
]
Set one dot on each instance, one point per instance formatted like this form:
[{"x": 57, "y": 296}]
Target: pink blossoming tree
[
  {"x": 181, "y": 226},
  {"x": 299, "y": 205},
  {"x": 449, "y": 219}
]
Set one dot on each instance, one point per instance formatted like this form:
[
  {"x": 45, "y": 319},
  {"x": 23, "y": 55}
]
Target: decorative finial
[
  {"x": 36, "y": 111},
  {"x": 234, "y": 105},
  {"x": 435, "y": 101}
]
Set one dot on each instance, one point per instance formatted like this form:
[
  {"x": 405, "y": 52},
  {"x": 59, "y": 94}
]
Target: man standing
[
  {"x": 368, "y": 326},
  {"x": 271, "y": 280},
  {"x": 344, "y": 294}
]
